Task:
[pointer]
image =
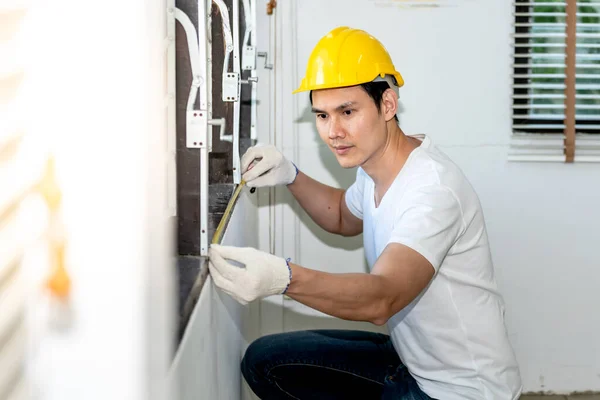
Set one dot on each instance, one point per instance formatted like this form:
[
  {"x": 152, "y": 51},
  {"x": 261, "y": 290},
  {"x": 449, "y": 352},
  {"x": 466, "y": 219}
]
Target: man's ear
[{"x": 389, "y": 103}]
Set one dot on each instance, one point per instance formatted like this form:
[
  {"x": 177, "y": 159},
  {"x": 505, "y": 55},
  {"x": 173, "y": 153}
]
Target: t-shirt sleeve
[
  {"x": 355, "y": 194},
  {"x": 429, "y": 221}
]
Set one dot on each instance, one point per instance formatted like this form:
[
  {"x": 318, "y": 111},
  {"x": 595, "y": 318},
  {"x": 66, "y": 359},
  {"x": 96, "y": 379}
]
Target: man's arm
[
  {"x": 325, "y": 205},
  {"x": 432, "y": 223},
  {"x": 398, "y": 276},
  {"x": 264, "y": 166}
]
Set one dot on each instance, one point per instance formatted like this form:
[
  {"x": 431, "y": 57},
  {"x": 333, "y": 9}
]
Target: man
[{"x": 431, "y": 278}]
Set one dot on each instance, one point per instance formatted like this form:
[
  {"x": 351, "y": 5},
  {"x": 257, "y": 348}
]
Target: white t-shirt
[{"x": 452, "y": 337}]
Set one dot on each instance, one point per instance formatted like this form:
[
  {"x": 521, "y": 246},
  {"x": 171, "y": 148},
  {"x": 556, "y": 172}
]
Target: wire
[
  {"x": 227, "y": 37},
  {"x": 248, "y": 18}
]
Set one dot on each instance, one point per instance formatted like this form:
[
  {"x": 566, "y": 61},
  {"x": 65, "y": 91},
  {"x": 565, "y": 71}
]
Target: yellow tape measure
[{"x": 218, "y": 235}]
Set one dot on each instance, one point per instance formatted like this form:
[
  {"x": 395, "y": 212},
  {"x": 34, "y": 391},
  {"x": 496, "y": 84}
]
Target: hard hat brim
[{"x": 306, "y": 88}]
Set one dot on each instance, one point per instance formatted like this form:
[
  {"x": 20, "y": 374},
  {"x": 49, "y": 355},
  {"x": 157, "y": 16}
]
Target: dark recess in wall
[
  {"x": 220, "y": 159},
  {"x": 188, "y": 160}
]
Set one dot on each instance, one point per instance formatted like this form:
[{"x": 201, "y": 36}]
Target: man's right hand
[{"x": 266, "y": 166}]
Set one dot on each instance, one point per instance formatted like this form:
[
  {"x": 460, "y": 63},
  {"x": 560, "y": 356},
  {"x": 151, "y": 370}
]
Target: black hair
[{"x": 375, "y": 91}]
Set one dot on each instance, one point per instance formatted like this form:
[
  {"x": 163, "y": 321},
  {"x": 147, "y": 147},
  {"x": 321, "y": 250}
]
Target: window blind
[
  {"x": 14, "y": 182},
  {"x": 556, "y": 78}
]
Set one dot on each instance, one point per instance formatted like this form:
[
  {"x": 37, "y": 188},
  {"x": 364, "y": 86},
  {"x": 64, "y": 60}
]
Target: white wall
[
  {"x": 207, "y": 363},
  {"x": 456, "y": 63}
]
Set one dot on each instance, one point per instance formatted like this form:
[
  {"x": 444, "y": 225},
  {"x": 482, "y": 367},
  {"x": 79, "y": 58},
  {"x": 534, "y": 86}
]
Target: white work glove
[
  {"x": 261, "y": 275},
  {"x": 271, "y": 168}
]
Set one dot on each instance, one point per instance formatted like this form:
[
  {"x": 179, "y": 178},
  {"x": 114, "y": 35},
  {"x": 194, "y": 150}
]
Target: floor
[{"x": 559, "y": 397}]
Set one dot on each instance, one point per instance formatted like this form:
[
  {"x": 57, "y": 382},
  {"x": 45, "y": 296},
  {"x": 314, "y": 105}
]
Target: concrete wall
[{"x": 541, "y": 218}]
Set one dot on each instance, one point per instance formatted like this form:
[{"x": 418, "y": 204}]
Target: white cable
[
  {"x": 227, "y": 37},
  {"x": 249, "y": 22},
  {"x": 192, "y": 40}
]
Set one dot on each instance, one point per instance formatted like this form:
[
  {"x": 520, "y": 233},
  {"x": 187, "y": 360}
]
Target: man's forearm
[
  {"x": 320, "y": 201},
  {"x": 352, "y": 296}
]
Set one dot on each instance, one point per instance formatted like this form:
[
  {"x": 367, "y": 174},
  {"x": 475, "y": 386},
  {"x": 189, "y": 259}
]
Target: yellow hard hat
[{"x": 347, "y": 57}]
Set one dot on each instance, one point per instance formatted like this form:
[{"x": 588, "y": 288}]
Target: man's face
[{"x": 349, "y": 122}]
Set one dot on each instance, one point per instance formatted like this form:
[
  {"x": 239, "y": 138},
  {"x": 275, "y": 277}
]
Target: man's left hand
[{"x": 261, "y": 275}]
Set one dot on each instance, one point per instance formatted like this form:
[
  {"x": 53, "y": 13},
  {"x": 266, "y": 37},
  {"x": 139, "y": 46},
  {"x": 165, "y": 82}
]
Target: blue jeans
[{"x": 328, "y": 364}]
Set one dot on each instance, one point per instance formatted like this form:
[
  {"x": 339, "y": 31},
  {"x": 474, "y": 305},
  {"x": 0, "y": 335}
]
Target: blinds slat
[
  {"x": 541, "y": 35},
  {"x": 590, "y": 57},
  {"x": 554, "y": 96},
  {"x": 553, "y": 14},
  {"x": 551, "y": 4},
  {"x": 582, "y": 86},
  {"x": 557, "y": 45},
  {"x": 553, "y": 126},
  {"x": 11, "y": 245},
  {"x": 538, "y": 141},
  {"x": 556, "y": 151},
  {"x": 557, "y": 76},
  {"x": 554, "y": 117},
  {"x": 538, "y": 86},
  {"x": 537, "y": 158},
  {"x": 557, "y": 66},
  {"x": 535, "y": 3},
  {"x": 539, "y": 152},
  {"x": 549, "y": 140},
  {"x": 556, "y": 107},
  {"x": 540, "y": 45},
  {"x": 582, "y": 25}
]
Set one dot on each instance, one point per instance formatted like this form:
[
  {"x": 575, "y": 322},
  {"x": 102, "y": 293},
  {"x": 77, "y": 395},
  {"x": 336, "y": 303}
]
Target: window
[{"x": 556, "y": 80}]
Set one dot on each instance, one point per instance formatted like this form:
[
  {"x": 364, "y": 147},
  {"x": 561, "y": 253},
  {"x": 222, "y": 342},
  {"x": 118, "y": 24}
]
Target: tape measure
[{"x": 218, "y": 235}]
